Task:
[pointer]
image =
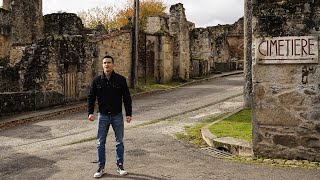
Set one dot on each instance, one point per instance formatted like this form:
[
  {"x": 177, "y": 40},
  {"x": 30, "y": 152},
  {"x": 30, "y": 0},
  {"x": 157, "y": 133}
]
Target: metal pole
[
  {"x": 136, "y": 43},
  {"x": 132, "y": 84},
  {"x": 145, "y": 59}
]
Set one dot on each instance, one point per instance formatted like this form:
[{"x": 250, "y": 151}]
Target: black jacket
[{"x": 110, "y": 94}]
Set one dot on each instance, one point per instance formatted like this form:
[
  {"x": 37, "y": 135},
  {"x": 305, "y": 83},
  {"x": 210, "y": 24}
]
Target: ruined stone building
[
  {"x": 50, "y": 60},
  {"x": 196, "y": 51},
  {"x": 218, "y": 48}
]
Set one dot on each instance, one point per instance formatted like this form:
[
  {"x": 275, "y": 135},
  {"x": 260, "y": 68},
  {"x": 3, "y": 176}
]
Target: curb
[
  {"x": 235, "y": 146},
  {"x": 32, "y": 116}
]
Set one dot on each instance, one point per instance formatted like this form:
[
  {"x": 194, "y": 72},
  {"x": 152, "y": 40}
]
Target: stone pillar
[
  {"x": 248, "y": 53},
  {"x": 179, "y": 29},
  {"x": 286, "y": 79},
  {"x": 166, "y": 59}
]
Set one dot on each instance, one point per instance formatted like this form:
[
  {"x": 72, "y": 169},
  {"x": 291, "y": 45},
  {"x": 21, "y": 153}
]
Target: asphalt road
[{"x": 63, "y": 147}]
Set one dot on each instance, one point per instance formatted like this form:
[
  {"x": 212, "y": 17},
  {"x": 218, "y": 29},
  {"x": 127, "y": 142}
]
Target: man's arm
[
  {"x": 127, "y": 101},
  {"x": 92, "y": 99}
]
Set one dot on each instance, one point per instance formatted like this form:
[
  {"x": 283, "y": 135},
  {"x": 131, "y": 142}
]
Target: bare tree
[{"x": 98, "y": 15}]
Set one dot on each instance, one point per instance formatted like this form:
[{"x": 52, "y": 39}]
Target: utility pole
[
  {"x": 135, "y": 44},
  {"x": 248, "y": 87}
]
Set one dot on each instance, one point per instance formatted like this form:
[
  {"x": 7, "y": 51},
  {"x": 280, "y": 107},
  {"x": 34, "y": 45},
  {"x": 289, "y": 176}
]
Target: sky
[{"x": 201, "y": 12}]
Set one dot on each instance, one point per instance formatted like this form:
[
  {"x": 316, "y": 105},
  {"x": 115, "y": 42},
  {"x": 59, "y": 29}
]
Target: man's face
[{"x": 107, "y": 65}]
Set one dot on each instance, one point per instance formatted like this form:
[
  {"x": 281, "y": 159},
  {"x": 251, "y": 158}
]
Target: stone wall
[
  {"x": 71, "y": 56},
  {"x": 18, "y": 102},
  {"x": 164, "y": 66},
  {"x": 6, "y": 4},
  {"x": 219, "y": 45},
  {"x": 56, "y": 56},
  {"x": 159, "y": 58},
  {"x": 200, "y": 68},
  {"x": 60, "y": 64},
  {"x": 118, "y": 45},
  {"x": 157, "y": 24},
  {"x": 27, "y": 25},
  {"x": 286, "y": 108},
  {"x": 167, "y": 59},
  {"x": 159, "y": 50},
  {"x": 63, "y": 23},
  {"x": 179, "y": 29},
  {"x": 5, "y": 31}
]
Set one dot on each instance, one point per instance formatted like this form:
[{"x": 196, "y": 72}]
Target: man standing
[{"x": 111, "y": 90}]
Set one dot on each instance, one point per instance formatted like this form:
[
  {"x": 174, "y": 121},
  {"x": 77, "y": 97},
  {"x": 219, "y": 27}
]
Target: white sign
[{"x": 289, "y": 49}]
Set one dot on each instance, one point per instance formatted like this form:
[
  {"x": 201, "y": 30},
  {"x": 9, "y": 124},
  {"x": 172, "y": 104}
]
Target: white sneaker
[
  {"x": 99, "y": 172},
  {"x": 121, "y": 170}
]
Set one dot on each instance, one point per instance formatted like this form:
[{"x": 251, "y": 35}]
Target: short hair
[{"x": 108, "y": 56}]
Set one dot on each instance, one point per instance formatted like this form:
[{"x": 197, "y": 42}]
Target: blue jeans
[{"x": 104, "y": 121}]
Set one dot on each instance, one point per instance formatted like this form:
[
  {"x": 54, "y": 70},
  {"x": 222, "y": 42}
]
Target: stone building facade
[
  {"x": 5, "y": 31},
  {"x": 167, "y": 46},
  {"x": 286, "y": 79},
  {"x": 54, "y": 59},
  {"x": 159, "y": 50},
  {"x": 25, "y": 29},
  {"x": 219, "y": 47},
  {"x": 117, "y": 44},
  {"x": 196, "y": 51},
  {"x": 50, "y": 60}
]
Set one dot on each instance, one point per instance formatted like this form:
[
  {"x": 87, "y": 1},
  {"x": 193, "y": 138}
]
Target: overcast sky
[{"x": 202, "y": 12}]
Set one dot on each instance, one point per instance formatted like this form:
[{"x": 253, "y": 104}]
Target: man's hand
[
  {"x": 91, "y": 117},
  {"x": 128, "y": 119}
]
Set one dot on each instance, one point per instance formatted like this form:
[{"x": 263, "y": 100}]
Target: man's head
[{"x": 107, "y": 64}]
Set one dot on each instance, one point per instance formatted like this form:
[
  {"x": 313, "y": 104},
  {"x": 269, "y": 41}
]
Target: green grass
[
  {"x": 193, "y": 133},
  {"x": 82, "y": 141},
  {"x": 238, "y": 125},
  {"x": 147, "y": 123},
  {"x": 151, "y": 86}
]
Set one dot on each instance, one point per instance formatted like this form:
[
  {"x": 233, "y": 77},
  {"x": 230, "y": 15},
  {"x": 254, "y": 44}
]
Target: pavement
[
  {"x": 64, "y": 147},
  {"x": 33, "y": 116},
  {"x": 235, "y": 146}
]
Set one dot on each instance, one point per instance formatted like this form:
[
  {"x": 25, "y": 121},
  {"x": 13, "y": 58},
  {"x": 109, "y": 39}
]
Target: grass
[
  {"x": 147, "y": 123},
  {"x": 82, "y": 141},
  {"x": 193, "y": 133},
  {"x": 238, "y": 125},
  {"x": 152, "y": 86}
]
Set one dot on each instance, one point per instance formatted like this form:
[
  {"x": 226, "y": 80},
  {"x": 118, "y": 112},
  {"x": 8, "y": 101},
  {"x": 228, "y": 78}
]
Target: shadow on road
[
  {"x": 24, "y": 166},
  {"x": 135, "y": 176}
]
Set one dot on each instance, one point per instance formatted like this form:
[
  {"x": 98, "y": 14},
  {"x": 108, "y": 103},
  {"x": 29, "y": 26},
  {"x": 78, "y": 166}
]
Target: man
[{"x": 110, "y": 89}]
